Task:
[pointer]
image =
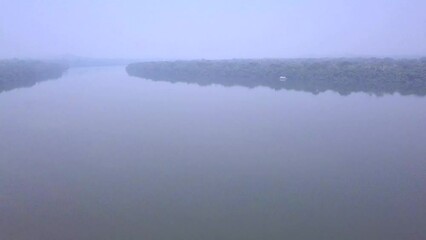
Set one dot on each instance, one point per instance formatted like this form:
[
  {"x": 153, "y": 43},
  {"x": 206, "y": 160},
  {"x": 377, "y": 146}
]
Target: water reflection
[{"x": 314, "y": 87}]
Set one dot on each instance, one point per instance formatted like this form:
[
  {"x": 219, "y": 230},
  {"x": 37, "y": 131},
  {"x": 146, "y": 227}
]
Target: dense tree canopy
[
  {"x": 372, "y": 75},
  {"x": 17, "y": 73}
]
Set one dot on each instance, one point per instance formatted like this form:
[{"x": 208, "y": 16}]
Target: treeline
[
  {"x": 20, "y": 73},
  {"x": 373, "y": 75}
]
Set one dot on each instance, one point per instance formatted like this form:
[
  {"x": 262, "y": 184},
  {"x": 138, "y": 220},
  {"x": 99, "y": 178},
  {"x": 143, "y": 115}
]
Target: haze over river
[{"x": 98, "y": 154}]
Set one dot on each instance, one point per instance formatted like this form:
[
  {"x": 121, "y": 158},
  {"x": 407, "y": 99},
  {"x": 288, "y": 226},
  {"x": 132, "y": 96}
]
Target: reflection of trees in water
[
  {"x": 345, "y": 76},
  {"x": 17, "y": 74}
]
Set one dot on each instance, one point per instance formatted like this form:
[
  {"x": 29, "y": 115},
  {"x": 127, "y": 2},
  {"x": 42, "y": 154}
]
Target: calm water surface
[{"x": 101, "y": 155}]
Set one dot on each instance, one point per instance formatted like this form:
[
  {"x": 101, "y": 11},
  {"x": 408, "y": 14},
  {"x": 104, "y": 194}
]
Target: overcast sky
[{"x": 212, "y": 29}]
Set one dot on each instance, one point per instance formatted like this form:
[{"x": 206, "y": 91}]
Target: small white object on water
[{"x": 283, "y": 79}]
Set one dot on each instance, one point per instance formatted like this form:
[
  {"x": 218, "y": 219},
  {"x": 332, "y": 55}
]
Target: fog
[
  {"x": 224, "y": 119},
  {"x": 212, "y": 29}
]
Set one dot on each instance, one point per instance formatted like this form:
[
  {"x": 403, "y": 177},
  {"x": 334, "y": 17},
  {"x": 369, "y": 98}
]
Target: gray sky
[{"x": 212, "y": 29}]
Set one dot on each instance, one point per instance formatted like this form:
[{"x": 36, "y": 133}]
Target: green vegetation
[
  {"x": 345, "y": 76},
  {"x": 18, "y": 73}
]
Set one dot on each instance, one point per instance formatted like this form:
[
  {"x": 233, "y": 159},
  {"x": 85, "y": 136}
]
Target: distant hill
[{"x": 76, "y": 61}]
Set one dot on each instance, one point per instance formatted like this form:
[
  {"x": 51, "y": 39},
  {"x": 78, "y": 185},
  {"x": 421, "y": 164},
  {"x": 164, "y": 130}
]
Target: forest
[
  {"x": 26, "y": 73},
  {"x": 377, "y": 76}
]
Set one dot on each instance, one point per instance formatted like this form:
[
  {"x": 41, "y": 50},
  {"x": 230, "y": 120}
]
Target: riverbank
[
  {"x": 23, "y": 73},
  {"x": 345, "y": 75}
]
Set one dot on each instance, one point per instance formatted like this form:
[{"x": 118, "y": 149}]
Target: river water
[{"x": 98, "y": 154}]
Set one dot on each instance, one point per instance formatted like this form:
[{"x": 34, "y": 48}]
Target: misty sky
[{"x": 212, "y": 29}]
